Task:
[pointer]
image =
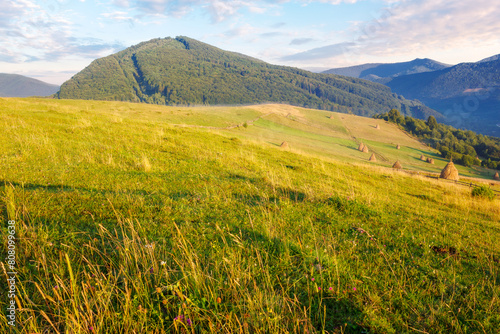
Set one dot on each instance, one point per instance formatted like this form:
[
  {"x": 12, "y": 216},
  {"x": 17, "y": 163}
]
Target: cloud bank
[
  {"x": 414, "y": 27},
  {"x": 30, "y": 33}
]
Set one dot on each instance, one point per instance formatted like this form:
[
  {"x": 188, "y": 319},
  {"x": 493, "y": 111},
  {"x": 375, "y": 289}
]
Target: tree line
[{"x": 464, "y": 147}]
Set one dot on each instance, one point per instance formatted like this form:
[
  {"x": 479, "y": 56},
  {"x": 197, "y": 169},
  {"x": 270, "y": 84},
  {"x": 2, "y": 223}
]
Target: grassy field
[{"x": 135, "y": 218}]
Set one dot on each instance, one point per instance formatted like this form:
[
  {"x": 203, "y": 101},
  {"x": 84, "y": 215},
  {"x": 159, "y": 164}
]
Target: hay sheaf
[
  {"x": 449, "y": 172},
  {"x": 496, "y": 176},
  {"x": 430, "y": 160},
  {"x": 372, "y": 157},
  {"x": 365, "y": 149},
  {"x": 423, "y": 158},
  {"x": 361, "y": 147},
  {"x": 397, "y": 165},
  {"x": 398, "y": 147},
  {"x": 284, "y": 144},
  {"x": 377, "y": 127}
]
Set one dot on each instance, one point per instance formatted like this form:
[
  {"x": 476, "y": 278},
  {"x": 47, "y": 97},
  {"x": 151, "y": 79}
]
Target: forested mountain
[
  {"x": 13, "y": 85},
  {"x": 183, "y": 71},
  {"x": 382, "y": 73},
  {"x": 467, "y": 94}
]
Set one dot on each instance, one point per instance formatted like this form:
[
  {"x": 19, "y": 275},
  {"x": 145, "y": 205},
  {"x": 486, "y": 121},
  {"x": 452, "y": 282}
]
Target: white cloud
[
  {"x": 419, "y": 27},
  {"x": 29, "y": 33},
  {"x": 219, "y": 10}
]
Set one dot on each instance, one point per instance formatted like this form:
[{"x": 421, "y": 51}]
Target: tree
[{"x": 432, "y": 123}]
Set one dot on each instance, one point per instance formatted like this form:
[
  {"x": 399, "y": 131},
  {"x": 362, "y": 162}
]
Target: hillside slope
[
  {"x": 151, "y": 219},
  {"x": 183, "y": 71},
  {"x": 14, "y": 85}
]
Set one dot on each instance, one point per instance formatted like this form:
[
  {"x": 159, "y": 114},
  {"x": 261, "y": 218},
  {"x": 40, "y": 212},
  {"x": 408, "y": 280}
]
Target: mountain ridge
[
  {"x": 381, "y": 72},
  {"x": 468, "y": 94},
  {"x": 184, "y": 71},
  {"x": 15, "y": 85}
]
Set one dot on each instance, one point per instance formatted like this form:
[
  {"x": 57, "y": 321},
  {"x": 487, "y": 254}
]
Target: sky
[{"x": 51, "y": 40}]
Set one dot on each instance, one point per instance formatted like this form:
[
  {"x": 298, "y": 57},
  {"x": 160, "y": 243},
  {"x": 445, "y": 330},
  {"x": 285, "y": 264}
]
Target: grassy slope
[{"x": 157, "y": 221}]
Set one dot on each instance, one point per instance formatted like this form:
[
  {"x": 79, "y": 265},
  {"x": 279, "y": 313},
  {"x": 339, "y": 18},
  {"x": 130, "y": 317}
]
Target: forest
[
  {"x": 183, "y": 71},
  {"x": 462, "y": 146}
]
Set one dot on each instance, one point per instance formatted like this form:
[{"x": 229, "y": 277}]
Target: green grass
[{"x": 127, "y": 223}]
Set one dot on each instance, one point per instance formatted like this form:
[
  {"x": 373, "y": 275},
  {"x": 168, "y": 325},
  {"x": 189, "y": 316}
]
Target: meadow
[{"x": 134, "y": 218}]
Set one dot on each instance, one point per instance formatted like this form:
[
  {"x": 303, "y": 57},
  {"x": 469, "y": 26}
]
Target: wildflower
[
  {"x": 158, "y": 290},
  {"x": 189, "y": 322},
  {"x": 319, "y": 288},
  {"x": 312, "y": 279},
  {"x": 151, "y": 270},
  {"x": 354, "y": 289},
  {"x": 330, "y": 288},
  {"x": 219, "y": 300},
  {"x": 163, "y": 263}
]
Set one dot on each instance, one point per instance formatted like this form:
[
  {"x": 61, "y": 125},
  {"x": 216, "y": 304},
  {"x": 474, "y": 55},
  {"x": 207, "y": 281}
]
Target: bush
[{"x": 484, "y": 192}]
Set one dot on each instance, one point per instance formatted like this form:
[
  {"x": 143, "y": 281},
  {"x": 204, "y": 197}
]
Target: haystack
[
  {"x": 423, "y": 158},
  {"x": 496, "y": 176},
  {"x": 331, "y": 116},
  {"x": 449, "y": 172},
  {"x": 372, "y": 157},
  {"x": 361, "y": 147},
  {"x": 430, "y": 160},
  {"x": 377, "y": 127},
  {"x": 284, "y": 144},
  {"x": 397, "y": 165},
  {"x": 398, "y": 147},
  {"x": 365, "y": 149}
]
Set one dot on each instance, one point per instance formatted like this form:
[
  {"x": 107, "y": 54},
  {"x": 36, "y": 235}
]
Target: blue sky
[{"x": 53, "y": 39}]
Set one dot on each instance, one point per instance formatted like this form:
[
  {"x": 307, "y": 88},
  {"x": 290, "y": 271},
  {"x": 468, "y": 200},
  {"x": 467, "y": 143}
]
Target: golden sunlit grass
[{"x": 126, "y": 223}]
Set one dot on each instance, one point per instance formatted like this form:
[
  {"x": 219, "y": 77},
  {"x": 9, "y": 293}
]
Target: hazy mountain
[
  {"x": 496, "y": 57},
  {"x": 383, "y": 72},
  {"x": 468, "y": 94},
  {"x": 183, "y": 71},
  {"x": 13, "y": 85}
]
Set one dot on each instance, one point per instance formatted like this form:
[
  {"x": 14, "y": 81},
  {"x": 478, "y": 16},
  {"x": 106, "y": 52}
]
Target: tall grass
[{"x": 169, "y": 230}]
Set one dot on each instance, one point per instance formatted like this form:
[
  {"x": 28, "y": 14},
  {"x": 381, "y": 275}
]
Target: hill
[
  {"x": 467, "y": 94},
  {"x": 13, "y": 85},
  {"x": 383, "y": 72},
  {"x": 143, "y": 218},
  {"x": 183, "y": 71}
]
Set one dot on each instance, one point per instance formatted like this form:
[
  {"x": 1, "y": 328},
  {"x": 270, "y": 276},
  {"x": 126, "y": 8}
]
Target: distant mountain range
[
  {"x": 184, "y": 71},
  {"x": 13, "y": 85},
  {"x": 384, "y": 72},
  {"x": 467, "y": 94}
]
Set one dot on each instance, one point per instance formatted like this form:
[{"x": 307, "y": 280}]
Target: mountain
[
  {"x": 184, "y": 71},
  {"x": 467, "y": 94},
  {"x": 495, "y": 57},
  {"x": 383, "y": 72},
  {"x": 13, "y": 85}
]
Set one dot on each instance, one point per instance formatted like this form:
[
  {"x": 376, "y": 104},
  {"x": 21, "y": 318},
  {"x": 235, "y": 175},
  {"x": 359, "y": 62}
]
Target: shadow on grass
[{"x": 328, "y": 312}]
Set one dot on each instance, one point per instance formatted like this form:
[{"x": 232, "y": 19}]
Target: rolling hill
[
  {"x": 164, "y": 219},
  {"x": 183, "y": 71},
  {"x": 14, "y": 85}
]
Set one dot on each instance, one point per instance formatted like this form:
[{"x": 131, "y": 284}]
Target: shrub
[{"x": 484, "y": 192}]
